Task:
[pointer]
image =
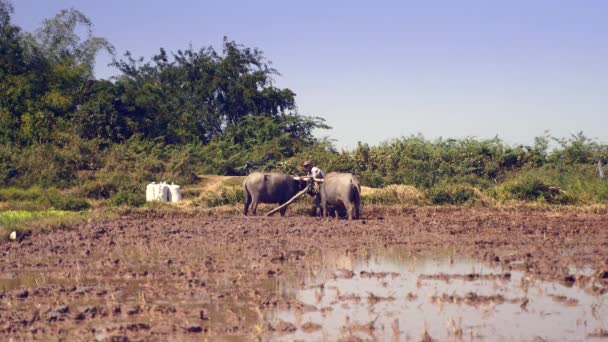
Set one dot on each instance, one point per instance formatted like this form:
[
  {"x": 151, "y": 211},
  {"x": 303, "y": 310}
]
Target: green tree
[
  {"x": 44, "y": 76},
  {"x": 99, "y": 116},
  {"x": 59, "y": 41},
  {"x": 261, "y": 137},
  {"x": 193, "y": 96}
]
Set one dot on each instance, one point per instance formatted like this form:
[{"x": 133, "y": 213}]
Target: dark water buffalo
[
  {"x": 340, "y": 191},
  {"x": 261, "y": 187}
]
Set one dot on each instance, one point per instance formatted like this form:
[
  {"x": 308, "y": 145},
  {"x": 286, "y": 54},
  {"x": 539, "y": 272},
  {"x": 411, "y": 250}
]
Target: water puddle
[{"x": 390, "y": 295}]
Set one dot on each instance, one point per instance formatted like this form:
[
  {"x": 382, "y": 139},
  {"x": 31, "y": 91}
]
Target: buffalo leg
[
  {"x": 247, "y": 203},
  {"x": 247, "y": 200}
]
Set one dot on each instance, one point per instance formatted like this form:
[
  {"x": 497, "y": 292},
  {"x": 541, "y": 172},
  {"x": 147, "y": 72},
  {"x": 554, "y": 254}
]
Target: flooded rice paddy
[
  {"x": 421, "y": 274},
  {"x": 389, "y": 294}
]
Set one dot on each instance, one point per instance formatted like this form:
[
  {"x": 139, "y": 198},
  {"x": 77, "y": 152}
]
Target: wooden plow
[{"x": 310, "y": 181}]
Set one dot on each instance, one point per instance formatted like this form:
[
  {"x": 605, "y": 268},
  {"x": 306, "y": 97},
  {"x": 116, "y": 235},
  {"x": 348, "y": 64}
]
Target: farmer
[
  {"x": 312, "y": 170},
  {"x": 315, "y": 173}
]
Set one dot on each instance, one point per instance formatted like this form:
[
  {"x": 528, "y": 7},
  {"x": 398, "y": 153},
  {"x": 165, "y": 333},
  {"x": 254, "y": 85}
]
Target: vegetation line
[{"x": 69, "y": 141}]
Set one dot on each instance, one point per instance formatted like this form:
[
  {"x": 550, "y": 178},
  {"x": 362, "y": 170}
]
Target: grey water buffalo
[
  {"x": 261, "y": 187},
  {"x": 340, "y": 191}
]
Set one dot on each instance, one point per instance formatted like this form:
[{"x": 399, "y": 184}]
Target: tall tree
[
  {"x": 60, "y": 41},
  {"x": 43, "y": 77},
  {"x": 193, "y": 96},
  {"x": 22, "y": 76}
]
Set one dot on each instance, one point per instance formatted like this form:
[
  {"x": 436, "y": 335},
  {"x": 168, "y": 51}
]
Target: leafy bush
[
  {"x": 123, "y": 197},
  {"x": 454, "y": 194},
  {"x": 98, "y": 189},
  {"x": 531, "y": 187},
  {"x": 66, "y": 202}
]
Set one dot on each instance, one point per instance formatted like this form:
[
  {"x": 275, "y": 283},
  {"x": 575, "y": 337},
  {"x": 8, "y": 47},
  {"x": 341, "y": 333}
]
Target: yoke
[{"x": 310, "y": 180}]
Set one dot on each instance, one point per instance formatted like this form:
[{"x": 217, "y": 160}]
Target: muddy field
[{"x": 438, "y": 273}]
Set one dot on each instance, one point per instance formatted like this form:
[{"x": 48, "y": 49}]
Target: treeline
[
  {"x": 417, "y": 171},
  {"x": 193, "y": 112},
  {"x": 553, "y": 170},
  {"x": 425, "y": 163},
  {"x": 172, "y": 115}
]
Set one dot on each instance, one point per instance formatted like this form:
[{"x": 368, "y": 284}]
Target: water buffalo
[
  {"x": 340, "y": 190},
  {"x": 278, "y": 188}
]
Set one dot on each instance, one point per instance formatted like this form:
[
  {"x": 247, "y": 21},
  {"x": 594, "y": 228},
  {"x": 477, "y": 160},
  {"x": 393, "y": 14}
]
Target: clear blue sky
[{"x": 377, "y": 70}]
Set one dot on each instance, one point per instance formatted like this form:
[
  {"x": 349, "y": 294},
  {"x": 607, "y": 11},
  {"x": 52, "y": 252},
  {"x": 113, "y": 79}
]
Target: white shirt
[{"x": 315, "y": 172}]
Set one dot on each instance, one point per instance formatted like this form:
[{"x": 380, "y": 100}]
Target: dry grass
[
  {"x": 214, "y": 183},
  {"x": 393, "y": 194}
]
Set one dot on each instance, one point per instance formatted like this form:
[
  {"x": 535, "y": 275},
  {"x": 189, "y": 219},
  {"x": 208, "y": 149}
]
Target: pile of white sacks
[{"x": 163, "y": 192}]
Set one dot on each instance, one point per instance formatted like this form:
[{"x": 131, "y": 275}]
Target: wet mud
[{"x": 443, "y": 273}]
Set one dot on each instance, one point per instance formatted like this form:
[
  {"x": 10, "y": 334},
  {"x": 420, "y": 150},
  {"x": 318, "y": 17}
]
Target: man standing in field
[
  {"x": 315, "y": 173},
  {"x": 312, "y": 170}
]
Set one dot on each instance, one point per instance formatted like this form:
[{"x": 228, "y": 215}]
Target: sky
[{"x": 378, "y": 70}]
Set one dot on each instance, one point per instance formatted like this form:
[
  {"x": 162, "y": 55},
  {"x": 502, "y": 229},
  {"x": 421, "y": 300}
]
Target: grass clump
[
  {"x": 17, "y": 194},
  {"x": 234, "y": 181},
  {"x": 36, "y": 198},
  {"x": 23, "y": 220},
  {"x": 392, "y": 195},
  {"x": 226, "y": 196}
]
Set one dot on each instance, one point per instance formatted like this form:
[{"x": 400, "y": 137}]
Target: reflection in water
[{"x": 394, "y": 296}]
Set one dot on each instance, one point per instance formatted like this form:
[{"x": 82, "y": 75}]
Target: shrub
[
  {"x": 191, "y": 193},
  {"x": 60, "y": 201},
  {"x": 533, "y": 187},
  {"x": 454, "y": 194},
  {"x": 98, "y": 189},
  {"x": 107, "y": 184},
  {"x": 372, "y": 179},
  {"x": 226, "y": 196},
  {"x": 129, "y": 198}
]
